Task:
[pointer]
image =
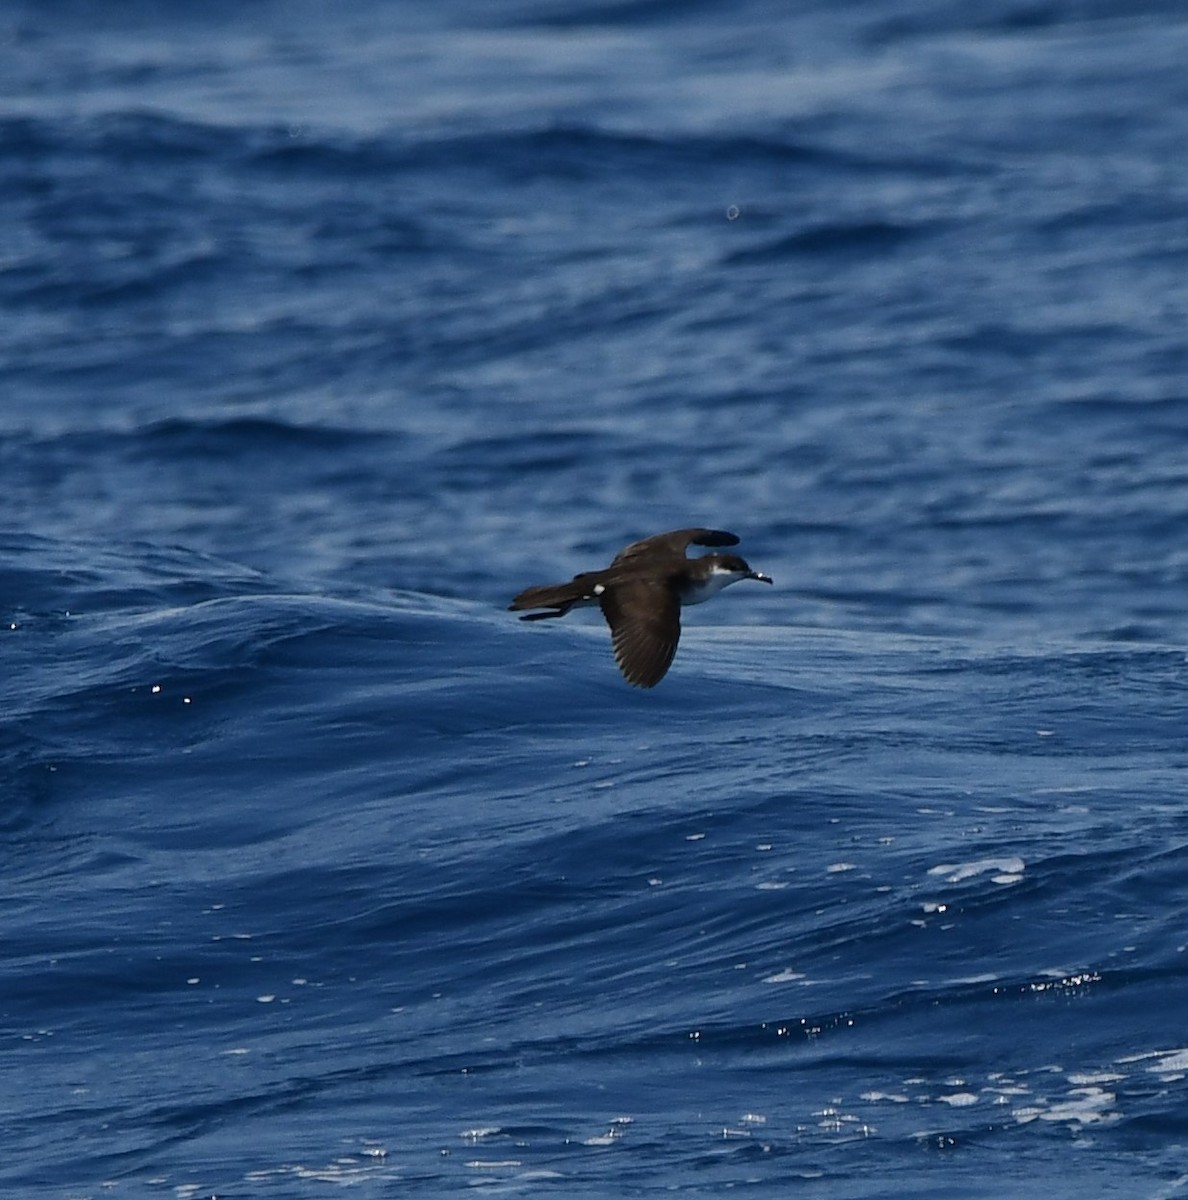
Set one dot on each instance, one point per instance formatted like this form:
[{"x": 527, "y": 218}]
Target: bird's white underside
[{"x": 719, "y": 578}]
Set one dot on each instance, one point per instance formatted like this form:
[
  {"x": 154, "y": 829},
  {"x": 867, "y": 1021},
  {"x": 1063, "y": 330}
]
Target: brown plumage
[{"x": 641, "y": 594}]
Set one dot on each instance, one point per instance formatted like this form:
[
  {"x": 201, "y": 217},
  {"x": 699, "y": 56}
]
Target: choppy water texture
[{"x": 325, "y": 332}]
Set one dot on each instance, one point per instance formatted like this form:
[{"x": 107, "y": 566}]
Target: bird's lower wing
[{"x": 645, "y": 624}]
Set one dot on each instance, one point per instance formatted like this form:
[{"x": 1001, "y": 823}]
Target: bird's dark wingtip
[{"x": 717, "y": 537}]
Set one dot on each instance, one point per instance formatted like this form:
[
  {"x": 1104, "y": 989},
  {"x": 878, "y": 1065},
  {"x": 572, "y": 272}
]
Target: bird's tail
[{"x": 558, "y": 596}]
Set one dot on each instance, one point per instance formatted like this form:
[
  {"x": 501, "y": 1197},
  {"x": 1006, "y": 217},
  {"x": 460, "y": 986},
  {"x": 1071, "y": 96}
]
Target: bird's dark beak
[{"x": 761, "y": 577}]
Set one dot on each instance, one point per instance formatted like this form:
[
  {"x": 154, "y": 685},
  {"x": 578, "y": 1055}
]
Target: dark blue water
[{"x": 324, "y": 333}]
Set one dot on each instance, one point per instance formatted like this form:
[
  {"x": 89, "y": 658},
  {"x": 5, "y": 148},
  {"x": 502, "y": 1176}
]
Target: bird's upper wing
[
  {"x": 645, "y": 623},
  {"x": 678, "y": 541}
]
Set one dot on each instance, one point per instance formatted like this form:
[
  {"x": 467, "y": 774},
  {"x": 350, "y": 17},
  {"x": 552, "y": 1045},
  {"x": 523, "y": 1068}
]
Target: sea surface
[{"x": 326, "y": 329}]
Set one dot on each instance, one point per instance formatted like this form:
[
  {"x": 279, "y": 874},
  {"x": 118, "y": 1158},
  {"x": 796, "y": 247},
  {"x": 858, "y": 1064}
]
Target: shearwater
[{"x": 641, "y": 595}]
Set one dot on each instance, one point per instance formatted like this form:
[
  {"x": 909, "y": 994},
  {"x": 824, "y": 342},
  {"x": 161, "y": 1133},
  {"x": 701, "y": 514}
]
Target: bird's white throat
[{"x": 705, "y": 589}]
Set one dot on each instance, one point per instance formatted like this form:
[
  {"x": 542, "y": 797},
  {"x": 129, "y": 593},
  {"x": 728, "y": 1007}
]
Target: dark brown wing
[
  {"x": 645, "y": 623},
  {"x": 676, "y": 542}
]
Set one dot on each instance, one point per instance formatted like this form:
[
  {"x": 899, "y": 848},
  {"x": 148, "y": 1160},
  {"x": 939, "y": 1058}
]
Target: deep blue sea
[{"x": 326, "y": 329}]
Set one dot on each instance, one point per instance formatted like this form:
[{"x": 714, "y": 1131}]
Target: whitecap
[{"x": 1010, "y": 869}]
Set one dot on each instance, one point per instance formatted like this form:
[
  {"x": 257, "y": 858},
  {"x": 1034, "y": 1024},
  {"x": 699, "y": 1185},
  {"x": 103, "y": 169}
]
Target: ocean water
[{"x": 324, "y": 332}]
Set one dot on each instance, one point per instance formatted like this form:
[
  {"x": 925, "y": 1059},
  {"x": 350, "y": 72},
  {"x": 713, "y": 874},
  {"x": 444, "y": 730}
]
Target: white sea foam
[
  {"x": 785, "y": 976},
  {"x": 1170, "y": 1064},
  {"x": 1006, "y": 870},
  {"x": 1084, "y": 1106}
]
